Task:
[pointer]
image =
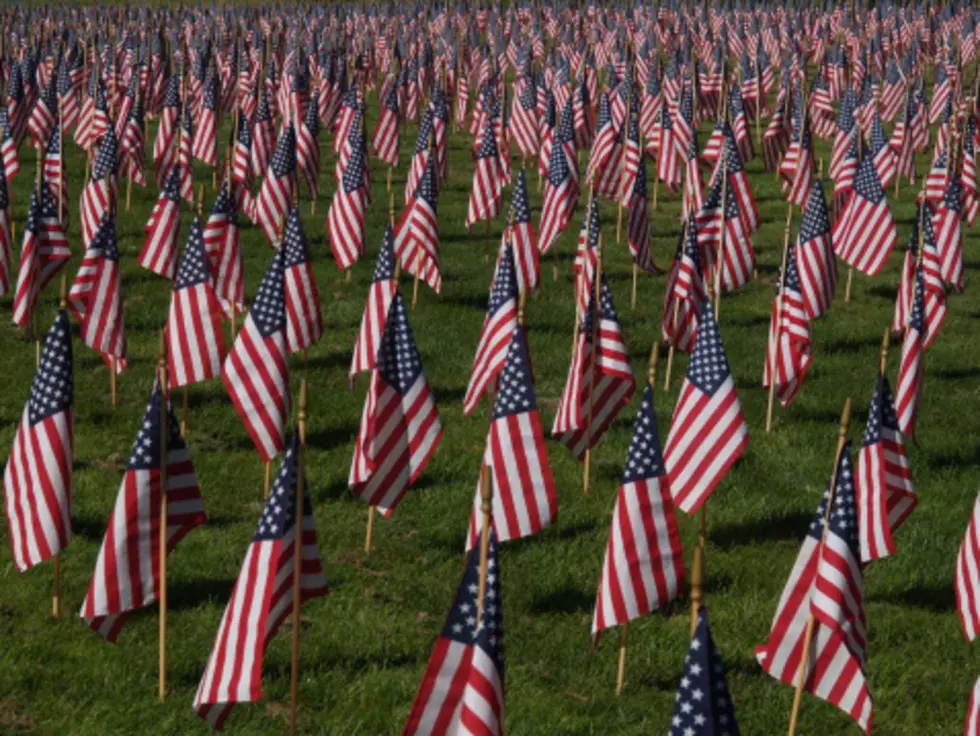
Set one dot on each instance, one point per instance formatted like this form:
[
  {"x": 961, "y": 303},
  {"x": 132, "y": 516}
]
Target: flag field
[{"x": 366, "y": 644}]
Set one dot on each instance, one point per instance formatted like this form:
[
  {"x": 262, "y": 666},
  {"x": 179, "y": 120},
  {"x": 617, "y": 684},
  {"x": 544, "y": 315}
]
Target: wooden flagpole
[
  {"x": 624, "y": 640},
  {"x": 56, "y": 587},
  {"x": 268, "y": 464},
  {"x": 673, "y": 332},
  {"x": 850, "y": 269},
  {"x": 724, "y": 225},
  {"x": 597, "y": 295},
  {"x": 905, "y": 109},
  {"x": 164, "y": 412},
  {"x": 845, "y": 419},
  {"x": 486, "y": 507},
  {"x": 298, "y": 506},
  {"x": 61, "y": 167}
]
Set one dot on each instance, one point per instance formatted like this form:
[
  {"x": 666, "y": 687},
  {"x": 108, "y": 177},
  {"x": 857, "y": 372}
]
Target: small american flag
[
  {"x": 524, "y": 500},
  {"x": 132, "y": 144},
  {"x": 605, "y": 160},
  {"x": 381, "y": 292},
  {"x": 668, "y": 157},
  {"x": 345, "y": 219},
  {"x": 815, "y": 257},
  {"x": 972, "y": 727},
  {"x": 126, "y": 575},
  {"x": 911, "y": 372},
  {"x": 37, "y": 478},
  {"x": 263, "y": 135},
  {"x": 275, "y": 196},
  {"x": 948, "y": 225},
  {"x": 883, "y": 156},
  {"x": 262, "y": 597},
  {"x": 196, "y": 342},
  {"x": 885, "y": 494},
  {"x": 485, "y": 195},
  {"x": 308, "y": 149},
  {"x": 644, "y": 565},
  {"x": 256, "y": 371},
  {"x": 934, "y": 296},
  {"x": 44, "y": 252},
  {"x": 53, "y": 175},
  {"x": 524, "y": 118},
  {"x": 386, "y": 139},
  {"x": 685, "y": 292},
  {"x": 462, "y": 690},
  {"x": 560, "y": 199},
  {"x": 708, "y": 432},
  {"x": 417, "y": 230},
  {"x": 400, "y": 427},
  {"x": 703, "y": 705},
  {"x": 44, "y": 117},
  {"x": 789, "y": 350},
  {"x": 5, "y": 235},
  {"x": 968, "y": 577},
  {"x": 159, "y": 252},
  {"x": 826, "y": 583},
  {"x": 304, "y": 320},
  {"x": 8, "y": 151},
  {"x": 205, "y": 144},
  {"x": 638, "y": 224},
  {"x": 865, "y": 233},
  {"x": 520, "y": 231},
  {"x": 164, "y": 145},
  {"x": 67, "y": 98}
]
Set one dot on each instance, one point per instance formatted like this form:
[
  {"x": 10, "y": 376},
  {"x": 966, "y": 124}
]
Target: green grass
[{"x": 365, "y": 646}]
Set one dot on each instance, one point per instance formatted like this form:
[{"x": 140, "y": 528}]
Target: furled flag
[
  {"x": 885, "y": 494},
  {"x": 815, "y": 260},
  {"x": 560, "y": 199},
  {"x": 224, "y": 249},
  {"x": 126, "y": 575},
  {"x": 8, "y": 151},
  {"x": 948, "y": 226},
  {"x": 37, "y": 478},
  {"x": 881, "y": 153},
  {"x": 241, "y": 174},
  {"x": 826, "y": 584},
  {"x": 263, "y": 135},
  {"x": 256, "y": 371},
  {"x": 44, "y": 117},
  {"x": 262, "y": 597},
  {"x": 55, "y": 179},
  {"x": 417, "y": 230},
  {"x": 911, "y": 372},
  {"x": 132, "y": 144},
  {"x": 789, "y": 351},
  {"x": 304, "y": 320},
  {"x": 381, "y": 292},
  {"x": 205, "y": 143},
  {"x": 5, "y": 234},
  {"x": 797, "y": 168},
  {"x": 644, "y": 565},
  {"x": 524, "y": 500},
  {"x": 44, "y": 252},
  {"x": 485, "y": 195},
  {"x": 604, "y": 170},
  {"x": 498, "y": 325},
  {"x": 67, "y": 99},
  {"x": 685, "y": 292},
  {"x": 400, "y": 427},
  {"x": 386, "y": 135},
  {"x": 865, "y": 233},
  {"x": 708, "y": 432},
  {"x": 668, "y": 156},
  {"x": 520, "y": 233},
  {"x": 99, "y": 195},
  {"x": 738, "y": 256},
  {"x": 159, "y": 252},
  {"x": 934, "y": 297},
  {"x": 524, "y": 118},
  {"x": 308, "y": 149},
  {"x": 968, "y": 577},
  {"x": 165, "y": 144},
  {"x": 703, "y": 705},
  {"x": 600, "y": 381},
  {"x": 185, "y": 158},
  {"x": 972, "y": 727},
  {"x": 195, "y": 339},
  {"x": 275, "y": 196},
  {"x": 638, "y": 224},
  {"x": 462, "y": 690},
  {"x": 345, "y": 219}
]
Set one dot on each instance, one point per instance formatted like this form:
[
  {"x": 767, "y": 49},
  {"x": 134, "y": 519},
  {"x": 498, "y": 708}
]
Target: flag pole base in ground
[
  {"x": 621, "y": 670},
  {"x": 697, "y": 585},
  {"x": 268, "y": 478},
  {"x": 56, "y": 588},
  {"x": 847, "y": 291},
  {"x": 370, "y": 531},
  {"x": 162, "y": 572}
]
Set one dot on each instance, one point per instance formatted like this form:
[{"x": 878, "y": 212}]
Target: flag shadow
[{"x": 788, "y": 526}]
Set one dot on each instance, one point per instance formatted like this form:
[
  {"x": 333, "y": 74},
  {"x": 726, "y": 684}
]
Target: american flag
[
  {"x": 520, "y": 232},
  {"x": 308, "y": 149},
  {"x": 789, "y": 350},
  {"x": 739, "y": 123},
  {"x": 911, "y": 372},
  {"x": 417, "y": 230},
  {"x": 865, "y": 233},
  {"x": 881, "y": 153},
  {"x": 67, "y": 99},
  {"x": 703, "y": 705},
  {"x": 381, "y": 292},
  {"x": 420, "y": 157},
  {"x": 816, "y": 262},
  {"x": 241, "y": 173},
  {"x": 708, "y": 432},
  {"x": 605, "y": 160},
  {"x": 826, "y": 583},
  {"x": 638, "y": 224},
  {"x": 345, "y": 219},
  {"x": 126, "y": 574},
  {"x": 8, "y": 151},
  {"x": 224, "y": 249},
  {"x": 159, "y": 252},
  {"x": 491, "y": 351},
  {"x": 386, "y": 138},
  {"x": 185, "y": 157},
  {"x": 304, "y": 320},
  {"x": 44, "y": 252},
  {"x": 262, "y": 597},
  {"x": 99, "y": 195},
  {"x": 846, "y": 134},
  {"x": 44, "y": 117},
  {"x": 968, "y": 577},
  {"x": 668, "y": 156},
  {"x": 739, "y": 185},
  {"x": 485, "y": 195},
  {"x": 885, "y": 494},
  {"x": 275, "y": 196},
  {"x": 55, "y": 179},
  {"x": 256, "y": 371},
  {"x": 560, "y": 199},
  {"x": 600, "y": 381},
  {"x": 934, "y": 298},
  {"x": 685, "y": 292},
  {"x": 738, "y": 257},
  {"x": 263, "y": 135},
  {"x": 798, "y": 177},
  {"x": 524, "y": 118},
  {"x": 205, "y": 144},
  {"x": 132, "y": 144},
  {"x": 547, "y": 125},
  {"x": 400, "y": 427},
  {"x": 5, "y": 235},
  {"x": 164, "y": 146},
  {"x": 524, "y": 500},
  {"x": 37, "y": 478},
  {"x": 972, "y": 727},
  {"x": 948, "y": 225},
  {"x": 644, "y": 565},
  {"x": 775, "y": 141},
  {"x": 462, "y": 690},
  {"x": 196, "y": 342}
]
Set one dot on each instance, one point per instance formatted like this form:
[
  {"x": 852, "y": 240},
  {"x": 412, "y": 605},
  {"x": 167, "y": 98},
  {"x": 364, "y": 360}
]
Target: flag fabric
[
  {"x": 159, "y": 252},
  {"x": 99, "y": 195},
  {"x": 400, "y": 427},
  {"x": 164, "y": 145},
  {"x": 8, "y": 151},
  {"x": 485, "y": 194},
  {"x": 345, "y": 219},
  {"x": 520, "y": 233},
  {"x": 132, "y": 144},
  {"x": 789, "y": 350},
  {"x": 205, "y": 144},
  {"x": 708, "y": 432},
  {"x": 263, "y": 596},
  {"x": 308, "y": 149},
  {"x": 600, "y": 381},
  {"x": 256, "y": 371},
  {"x": 815, "y": 258},
  {"x": 560, "y": 199},
  {"x": 275, "y": 197},
  {"x": 263, "y": 135},
  {"x": 703, "y": 705},
  {"x": 498, "y": 325},
  {"x": 195, "y": 339},
  {"x": 948, "y": 226},
  {"x": 462, "y": 690},
  {"x": 5, "y": 234},
  {"x": 53, "y": 175},
  {"x": 38, "y": 476},
  {"x": 928, "y": 264},
  {"x": 644, "y": 565},
  {"x": 826, "y": 583},
  {"x": 885, "y": 494},
  {"x": 380, "y": 294},
  {"x": 417, "y": 230},
  {"x": 95, "y": 297},
  {"x": 972, "y": 727},
  {"x": 523, "y": 496},
  {"x": 304, "y": 320},
  {"x": 386, "y": 135},
  {"x": 685, "y": 292},
  {"x": 911, "y": 373},
  {"x": 44, "y": 252},
  {"x": 126, "y": 575},
  {"x": 865, "y": 233},
  {"x": 224, "y": 249},
  {"x": 968, "y": 577}
]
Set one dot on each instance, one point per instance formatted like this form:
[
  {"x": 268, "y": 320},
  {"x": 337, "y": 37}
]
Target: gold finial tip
[{"x": 845, "y": 416}]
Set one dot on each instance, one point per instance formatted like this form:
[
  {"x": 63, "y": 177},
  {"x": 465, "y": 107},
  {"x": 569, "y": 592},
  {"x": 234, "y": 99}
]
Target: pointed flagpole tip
[
  {"x": 654, "y": 360},
  {"x": 845, "y": 417},
  {"x": 63, "y": 293},
  {"x": 885, "y": 340},
  {"x": 162, "y": 349}
]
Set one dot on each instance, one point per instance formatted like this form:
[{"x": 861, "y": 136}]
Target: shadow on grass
[
  {"x": 564, "y": 600},
  {"x": 186, "y": 594},
  {"x": 956, "y": 374},
  {"x": 883, "y": 291},
  {"x": 790, "y": 526},
  {"x": 932, "y": 597},
  {"x": 332, "y": 437},
  {"x": 852, "y": 345}
]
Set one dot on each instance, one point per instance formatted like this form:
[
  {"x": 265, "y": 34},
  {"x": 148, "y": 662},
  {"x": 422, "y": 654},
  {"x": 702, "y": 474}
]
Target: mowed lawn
[{"x": 365, "y": 646}]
